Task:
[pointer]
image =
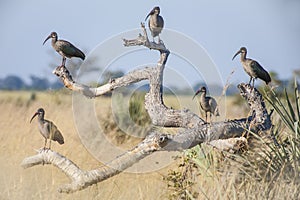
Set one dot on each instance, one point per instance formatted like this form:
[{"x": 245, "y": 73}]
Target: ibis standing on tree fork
[
  {"x": 47, "y": 128},
  {"x": 252, "y": 67},
  {"x": 156, "y": 22},
  {"x": 64, "y": 48},
  {"x": 207, "y": 104}
]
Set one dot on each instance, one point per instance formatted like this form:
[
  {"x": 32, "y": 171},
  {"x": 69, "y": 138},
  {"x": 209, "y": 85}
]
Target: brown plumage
[
  {"x": 47, "y": 128},
  {"x": 252, "y": 67},
  {"x": 156, "y": 22},
  {"x": 64, "y": 48},
  {"x": 207, "y": 104}
]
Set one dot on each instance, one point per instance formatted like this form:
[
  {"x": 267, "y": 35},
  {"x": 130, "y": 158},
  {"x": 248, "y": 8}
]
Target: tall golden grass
[{"x": 20, "y": 139}]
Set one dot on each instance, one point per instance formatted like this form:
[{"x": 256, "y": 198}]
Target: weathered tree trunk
[{"x": 192, "y": 130}]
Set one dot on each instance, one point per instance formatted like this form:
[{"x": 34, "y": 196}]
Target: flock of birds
[{"x": 156, "y": 23}]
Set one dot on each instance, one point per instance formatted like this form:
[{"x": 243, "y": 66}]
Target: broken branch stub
[{"x": 193, "y": 130}]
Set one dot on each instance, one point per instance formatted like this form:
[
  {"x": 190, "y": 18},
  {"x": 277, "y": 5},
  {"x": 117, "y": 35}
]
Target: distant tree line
[{"x": 13, "y": 82}]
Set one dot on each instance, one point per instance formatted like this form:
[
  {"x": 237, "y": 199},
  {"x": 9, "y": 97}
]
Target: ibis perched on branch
[
  {"x": 64, "y": 48},
  {"x": 47, "y": 128},
  {"x": 252, "y": 67},
  {"x": 207, "y": 104},
  {"x": 156, "y": 22}
]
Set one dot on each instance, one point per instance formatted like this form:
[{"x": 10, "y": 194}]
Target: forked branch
[{"x": 193, "y": 129}]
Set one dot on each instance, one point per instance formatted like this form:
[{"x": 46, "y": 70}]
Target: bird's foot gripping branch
[{"x": 192, "y": 130}]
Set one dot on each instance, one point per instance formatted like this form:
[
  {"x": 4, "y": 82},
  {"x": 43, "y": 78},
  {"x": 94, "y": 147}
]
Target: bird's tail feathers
[
  {"x": 266, "y": 77},
  {"x": 58, "y": 137}
]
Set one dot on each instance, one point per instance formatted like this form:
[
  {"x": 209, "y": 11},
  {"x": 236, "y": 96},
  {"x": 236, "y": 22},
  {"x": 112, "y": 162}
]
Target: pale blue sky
[{"x": 270, "y": 29}]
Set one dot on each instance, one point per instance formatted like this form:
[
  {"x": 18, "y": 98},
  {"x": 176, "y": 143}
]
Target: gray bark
[{"x": 193, "y": 130}]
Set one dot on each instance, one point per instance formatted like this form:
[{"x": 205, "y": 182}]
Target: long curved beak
[
  {"x": 147, "y": 16},
  {"x": 198, "y": 91},
  {"x": 237, "y": 53},
  {"x": 150, "y": 13},
  {"x": 35, "y": 114},
  {"x": 47, "y": 39}
]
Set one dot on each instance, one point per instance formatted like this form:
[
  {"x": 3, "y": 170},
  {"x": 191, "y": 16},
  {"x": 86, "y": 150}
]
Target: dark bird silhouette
[
  {"x": 47, "y": 128},
  {"x": 252, "y": 67},
  {"x": 64, "y": 48},
  {"x": 207, "y": 104},
  {"x": 156, "y": 22}
]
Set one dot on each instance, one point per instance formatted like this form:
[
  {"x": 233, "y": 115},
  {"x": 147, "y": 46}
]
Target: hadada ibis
[
  {"x": 207, "y": 104},
  {"x": 252, "y": 67},
  {"x": 156, "y": 22},
  {"x": 64, "y": 48},
  {"x": 47, "y": 128}
]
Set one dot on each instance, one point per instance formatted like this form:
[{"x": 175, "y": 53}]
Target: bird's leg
[
  {"x": 250, "y": 80},
  {"x": 206, "y": 117},
  {"x": 50, "y": 144},
  {"x": 50, "y": 137},
  {"x": 253, "y": 83},
  {"x": 45, "y": 143},
  {"x": 63, "y": 61}
]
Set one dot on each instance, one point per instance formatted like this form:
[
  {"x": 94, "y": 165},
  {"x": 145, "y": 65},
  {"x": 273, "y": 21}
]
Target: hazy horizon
[{"x": 271, "y": 35}]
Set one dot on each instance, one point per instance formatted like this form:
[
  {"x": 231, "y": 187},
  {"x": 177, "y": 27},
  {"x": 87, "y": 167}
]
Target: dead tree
[{"x": 192, "y": 129}]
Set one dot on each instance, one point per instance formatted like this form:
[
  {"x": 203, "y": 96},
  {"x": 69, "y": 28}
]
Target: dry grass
[
  {"x": 268, "y": 169},
  {"x": 19, "y": 139}
]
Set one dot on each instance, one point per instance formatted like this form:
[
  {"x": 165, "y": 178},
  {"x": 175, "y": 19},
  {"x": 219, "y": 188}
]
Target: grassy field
[{"x": 19, "y": 139}]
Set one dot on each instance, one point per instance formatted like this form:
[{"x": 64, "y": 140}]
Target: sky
[{"x": 202, "y": 36}]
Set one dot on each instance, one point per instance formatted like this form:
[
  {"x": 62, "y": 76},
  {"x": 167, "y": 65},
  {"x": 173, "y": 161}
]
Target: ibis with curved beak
[
  {"x": 252, "y": 67},
  {"x": 207, "y": 104},
  {"x": 156, "y": 22},
  {"x": 64, "y": 48},
  {"x": 47, "y": 128}
]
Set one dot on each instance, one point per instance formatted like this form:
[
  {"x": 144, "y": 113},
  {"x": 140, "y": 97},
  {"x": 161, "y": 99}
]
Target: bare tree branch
[
  {"x": 193, "y": 129},
  {"x": 82, "y": 179}
]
